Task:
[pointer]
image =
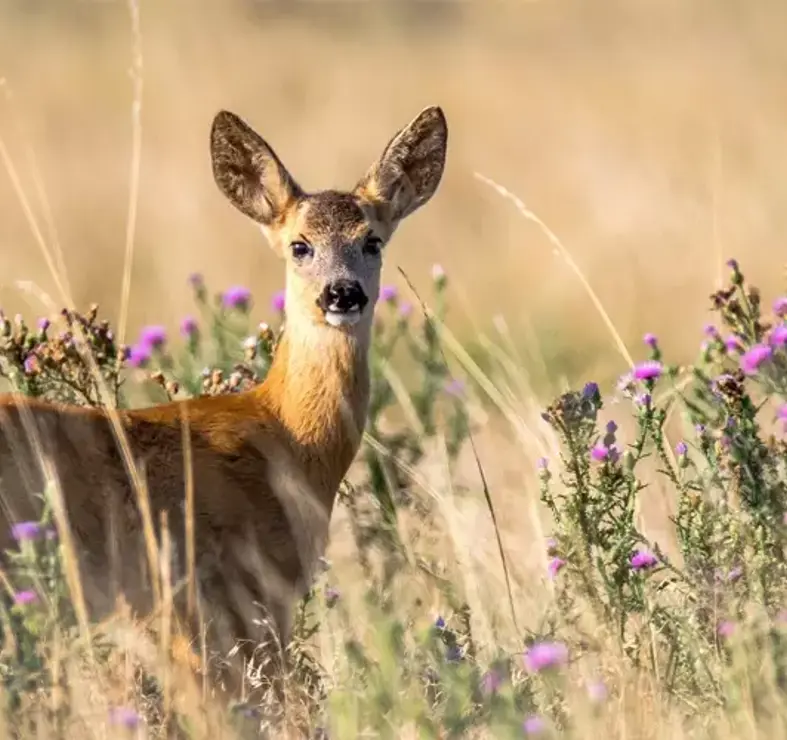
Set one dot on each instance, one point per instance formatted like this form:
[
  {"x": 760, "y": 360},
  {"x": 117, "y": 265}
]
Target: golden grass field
[{"x": 648, "y": 136}]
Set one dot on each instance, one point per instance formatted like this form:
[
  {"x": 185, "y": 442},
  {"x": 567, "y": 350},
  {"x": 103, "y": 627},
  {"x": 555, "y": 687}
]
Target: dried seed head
[{"x": 158, "y": 377}]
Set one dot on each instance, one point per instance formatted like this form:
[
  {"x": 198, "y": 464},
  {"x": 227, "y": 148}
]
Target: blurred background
[{"x": 648, "y": 135}]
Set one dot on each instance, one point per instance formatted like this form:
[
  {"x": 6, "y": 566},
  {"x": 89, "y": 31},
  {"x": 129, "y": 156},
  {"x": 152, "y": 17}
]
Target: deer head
[{"x": 332, "y": 241}]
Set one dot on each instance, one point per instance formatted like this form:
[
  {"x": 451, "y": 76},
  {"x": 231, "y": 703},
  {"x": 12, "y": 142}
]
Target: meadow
[{"x": 568, "y": 515}]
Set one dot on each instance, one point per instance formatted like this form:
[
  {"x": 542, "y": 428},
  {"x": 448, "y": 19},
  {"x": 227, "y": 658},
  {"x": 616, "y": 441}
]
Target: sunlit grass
[{"x": 414, "y": 628}]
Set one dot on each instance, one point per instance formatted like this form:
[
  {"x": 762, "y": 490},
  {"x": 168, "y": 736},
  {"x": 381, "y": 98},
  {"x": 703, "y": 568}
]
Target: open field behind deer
[
  {"x": 614, "y": 564},
  {"x": 647, "y": 137}
]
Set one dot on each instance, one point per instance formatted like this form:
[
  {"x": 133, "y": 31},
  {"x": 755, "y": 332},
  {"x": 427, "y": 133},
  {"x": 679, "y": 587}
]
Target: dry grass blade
[
  {"x": 31, "y": 220},
  {"x": 149, "y": 534},
  {"x": 481, "y": 474},
  {"x": 136, "y": 158},
  {"x": 566, "y": 255},
  {"x": 70, "y": 559},
  {"x": 188, "y": 475}
]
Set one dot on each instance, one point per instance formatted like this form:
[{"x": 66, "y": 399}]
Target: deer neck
[{"x": 318, "y": 390}]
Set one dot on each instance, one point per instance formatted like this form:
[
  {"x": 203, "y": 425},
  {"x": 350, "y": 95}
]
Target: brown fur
[{"x": 266, "y": 463}]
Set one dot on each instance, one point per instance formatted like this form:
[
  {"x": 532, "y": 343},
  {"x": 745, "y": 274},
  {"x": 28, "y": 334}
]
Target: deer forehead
[{"x": 332, "y": 219}]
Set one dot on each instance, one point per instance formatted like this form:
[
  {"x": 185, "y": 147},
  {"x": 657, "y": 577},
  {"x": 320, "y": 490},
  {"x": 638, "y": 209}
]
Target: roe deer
[{"x": 267, "y": 462}]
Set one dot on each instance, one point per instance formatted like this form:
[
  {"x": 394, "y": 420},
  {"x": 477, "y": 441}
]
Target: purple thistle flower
[
  {"x": 711, "y": 331},
  {"x": 597, "y": 691},
  {"x": 733, "y": 264},
  {"x": 726, "y": 628},
  {"x": 43, "y": 323},
  {"x": 439, "y": 623},
  {"x": 590, "y": 391},
  {"x": 754, "y": 358},
  {"x": 624, "y": 383},
  {"x": 545, "y": 655},
  {"x": 648, "y": 370},
  {"x": 138, "y": 355},
  {"x": 551, "y": 546},
  {"x": 24, "y": 531},
  {"x": 542, "y": 463},
  {"x": 780, "y": 306},
  {"x": 650, "y": 340},
  {"x": 405, "y": 309},
  {"x": 237, "y": 297},
  {"x": 778, "y": 337},
  {"x": 612, "y": 427},
  {"x": 642, "y": 560},
  {"x": 24, "y": 598},
  {"x": 602, "y": 453},
  {"x": 782, "y": 412},
  {"x": 254, "y": 713},
  {"x": 331, "y": 595},
  {"x": 453, "y": 654},
  {"x": 153, "y": 336},
  {"x": 31, "y": 364},
  {"x": 278, "y": 301},
  {"x": 455, "y": 387},
  {"x": 388, "y": 293},
  {"x": 491, "y": 681},
  {"x": 196, "y": 280},
  {"x": 124, "y": 717},
  {"x": 555, "y": 566},
  {"x": 189, "y": 327},
  {"x": 643, "y": 400},
  {"x": 733, "y": 344},
  {"x": 681, "y": 448},
  {"x": 533, "y": 725}
]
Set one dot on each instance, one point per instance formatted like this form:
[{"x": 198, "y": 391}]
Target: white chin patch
[{"x": 342, "y": 319}]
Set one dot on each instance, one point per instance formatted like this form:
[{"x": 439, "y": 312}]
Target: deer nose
[{"x": 343, "y": 296}]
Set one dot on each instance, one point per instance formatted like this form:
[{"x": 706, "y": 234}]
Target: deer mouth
[{"x": 343, "y": 318}]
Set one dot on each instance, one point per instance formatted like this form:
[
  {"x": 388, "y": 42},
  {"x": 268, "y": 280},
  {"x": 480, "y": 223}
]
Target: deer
[{"x": 266, "y": 463}]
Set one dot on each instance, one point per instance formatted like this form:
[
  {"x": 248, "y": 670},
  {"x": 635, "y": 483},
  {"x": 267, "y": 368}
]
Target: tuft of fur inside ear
[
  {"x": 410, "y": 168},
  {"x": 248, "y": 172}
]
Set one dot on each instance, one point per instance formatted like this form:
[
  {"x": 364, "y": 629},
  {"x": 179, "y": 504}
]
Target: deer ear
[
  {"x": 248, "y": 172},
  {"x": 409, "y": 170}
]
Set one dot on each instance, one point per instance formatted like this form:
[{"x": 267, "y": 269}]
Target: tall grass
[{"x": 433, "y": 617}]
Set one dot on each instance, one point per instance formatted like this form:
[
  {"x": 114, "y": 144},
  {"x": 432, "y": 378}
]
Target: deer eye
[
  {"x": 301, "y": 251},
  {"x": 372, "y": 246}
]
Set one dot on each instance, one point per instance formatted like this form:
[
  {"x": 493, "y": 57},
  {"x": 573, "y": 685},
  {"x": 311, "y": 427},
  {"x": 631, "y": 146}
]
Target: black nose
[{"x": 343, "y": 296}]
